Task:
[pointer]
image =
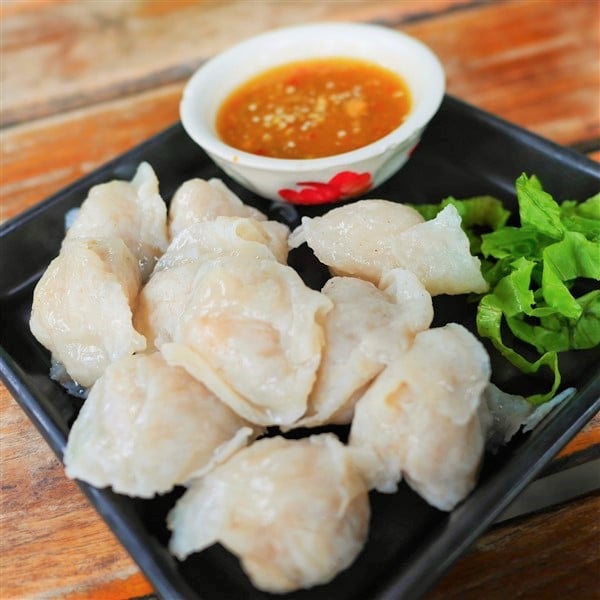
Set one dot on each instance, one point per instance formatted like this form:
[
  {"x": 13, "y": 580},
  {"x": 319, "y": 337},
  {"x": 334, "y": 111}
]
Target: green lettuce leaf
[
  {"x": 514, "y": 242},
  {"x": 482, "y": 211},
  {"x": 586, "y": 330},
  {"x": 490, "y": 312},
  {"x": 537, "y": 208},
  {"x": 574, "y": 256},
  {"x": 556, "y": 333},
  {"x": 590, "y": 208},
  {"x": 535, "y": 271},
  {"x": 582, "y": 217}
]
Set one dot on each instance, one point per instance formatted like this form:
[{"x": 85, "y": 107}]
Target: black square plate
[{"x": 464, "y": 152}]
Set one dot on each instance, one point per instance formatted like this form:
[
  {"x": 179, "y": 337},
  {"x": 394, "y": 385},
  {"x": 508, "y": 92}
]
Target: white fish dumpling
[
  {"x": 296, "y": 512},
  {"x": 146, "y": 427},
  {"x": 367, "y": 328},
  {"x": 163, "y": 299},
  {"x": 252, "y": 333},
  {"x": 277, "y": 239},
  {"x": 81, "y": 308},
  {"x": 356, "y": 239},
  {"x": 133, "y": 211},
  {"x": 161, "y": 303},
  {"x": 438, "y": 253},
  {"x": 420, "y": 417},
  {"x": 200, "y": 200},
  {"x": 370, "y": 237},
  {"x": 226, "y": 235}
]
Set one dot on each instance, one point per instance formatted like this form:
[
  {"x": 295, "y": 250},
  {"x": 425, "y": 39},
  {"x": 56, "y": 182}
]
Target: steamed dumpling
[
  {"x": 252, "y": 333},
  {"x": 367, "y": 328},
  {"x": 226, "y": 235},
  {"x": 295, "y": 512},
  {"x": 420, "y": 417},
  {"x": 161, "y": 303},
  {"x": 199, "y": 200},
  {"x": 356, "y": 239},
  {"x": 438, "y": 253},
  {"x": 132, "y": 211},
  {"x": 367, "y": 238},
  {"x": 163, "y": 299},
  {"x": 146, "y": 427},
  {"x": 81, "y": 308}
]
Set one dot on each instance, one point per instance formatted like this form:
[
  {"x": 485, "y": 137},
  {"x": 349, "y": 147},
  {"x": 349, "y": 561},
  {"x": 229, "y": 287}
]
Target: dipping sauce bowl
[{"x": 328, "y": 178}]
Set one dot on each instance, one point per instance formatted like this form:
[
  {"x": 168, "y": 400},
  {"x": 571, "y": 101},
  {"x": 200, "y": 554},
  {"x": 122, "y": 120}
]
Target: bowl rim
[{"x": 404, "y": 134}]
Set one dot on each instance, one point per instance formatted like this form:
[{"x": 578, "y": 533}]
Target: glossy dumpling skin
[
  {"x": 367, "y": 238},
  {"x": 420, "y": 417},
  {"x": 132, "y": 211},
  {"x": 161, "y": 303},
  {"x": 356, "y": 239},
  {"x": 200, "y": 200},
  {"x": 81, "y": 308},
  {"x": 226, "y": 235},
  {"x": 367, "y": 329},
  {"x": 438, "y": 253},
  {"x": 252, "y": 333},
  {"x": 163, "y": 299},
  {"x": 296, "y": 512},
  {"x": 146, "y": 427}
]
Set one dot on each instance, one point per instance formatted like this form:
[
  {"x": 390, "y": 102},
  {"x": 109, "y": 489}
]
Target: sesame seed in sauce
[{"x": 315, "y": 108}]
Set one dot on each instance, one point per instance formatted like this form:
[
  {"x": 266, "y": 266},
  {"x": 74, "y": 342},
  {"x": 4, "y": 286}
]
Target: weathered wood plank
[
  {"x": 553, "y": 554},
  {"x": 595, "y": 155},
  {"x": 52, "y": 538},
  {"x": 496, "y": 74},
  {"x": 59, "y": 56},
  {"x": 588, "y": 437},
  {"x": 39, "y": 159},
  {"x": 536, "y": 64}
]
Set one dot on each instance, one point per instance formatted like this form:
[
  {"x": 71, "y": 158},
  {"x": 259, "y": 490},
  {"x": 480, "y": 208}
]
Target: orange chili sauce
[{"x": 313, "y": 108}]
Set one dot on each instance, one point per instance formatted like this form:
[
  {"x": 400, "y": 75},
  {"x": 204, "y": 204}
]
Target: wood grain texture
[
  {"x": 535, "y": 63},
  {"x": 594, "y": 155},
  {"x": 76, "y": 53},
  {"x": 81, "y": 82},
  {"x": 588, "y": 437},
  {"x": 554, "y": 554},
  {"x": 483, "y": 67},
  {"x": 69, "y": 146},
  {"x": 52, "y": 542}
]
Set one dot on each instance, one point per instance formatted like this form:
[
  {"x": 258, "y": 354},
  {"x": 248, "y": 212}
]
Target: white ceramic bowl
[{"x": 340, "y": 176}]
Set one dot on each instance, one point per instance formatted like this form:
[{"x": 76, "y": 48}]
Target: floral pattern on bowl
[{"x": 345, "y": 184}]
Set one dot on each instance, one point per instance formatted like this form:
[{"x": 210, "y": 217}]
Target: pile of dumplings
[{"x": 193, "y": 335}]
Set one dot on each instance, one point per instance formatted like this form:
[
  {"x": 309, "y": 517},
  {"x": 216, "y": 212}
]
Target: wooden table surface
[{"x": 84, "y": 81}]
